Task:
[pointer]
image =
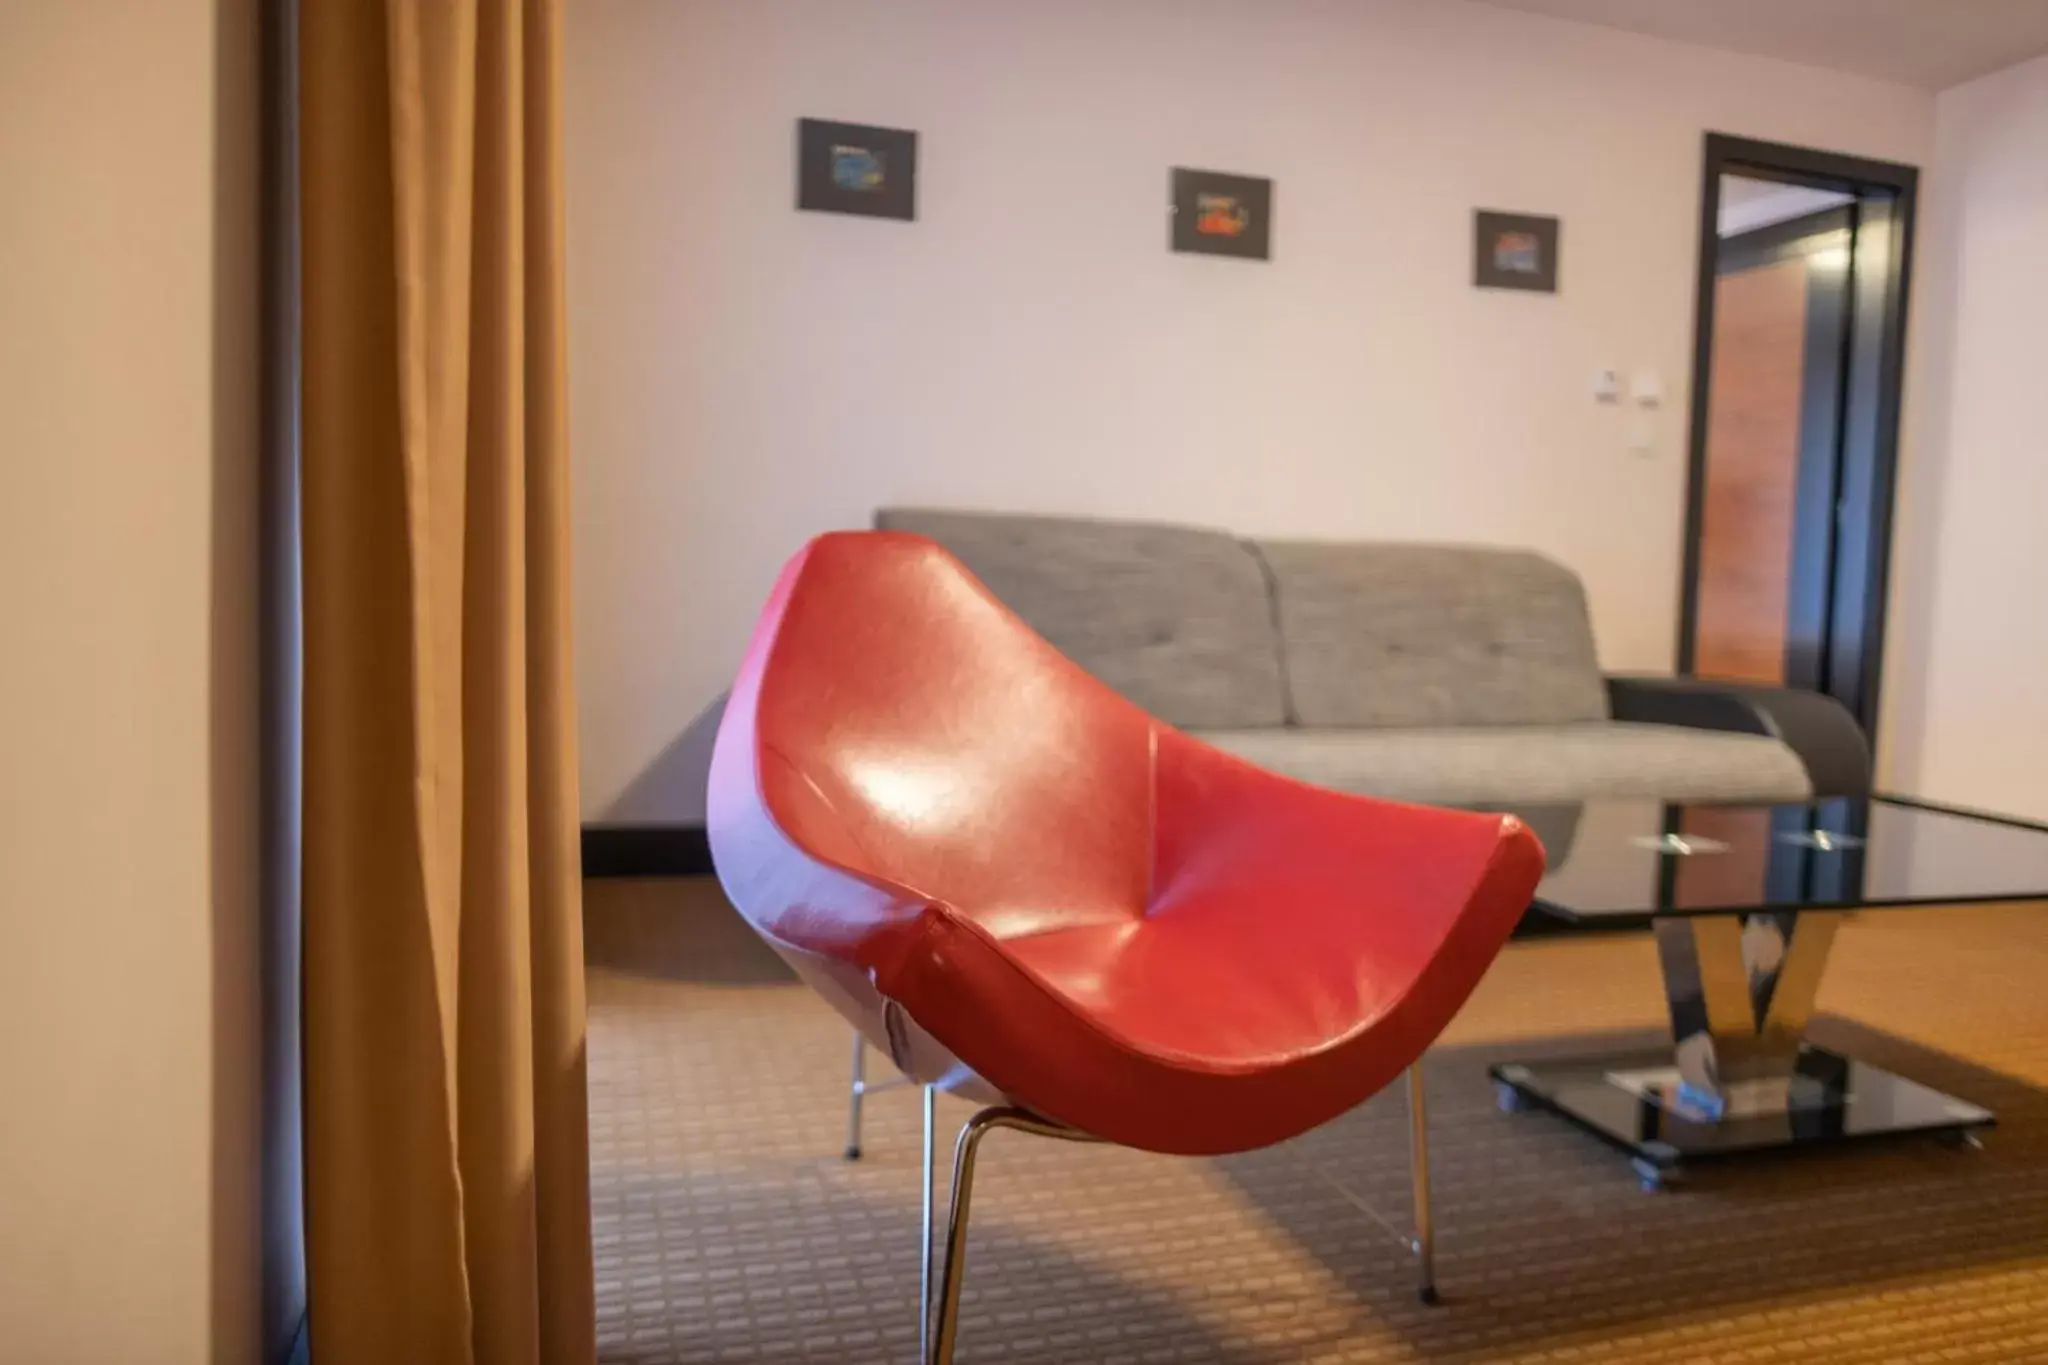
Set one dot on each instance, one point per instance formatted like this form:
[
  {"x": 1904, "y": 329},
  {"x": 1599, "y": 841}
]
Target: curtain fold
[{"x": 447, "y": 1161}]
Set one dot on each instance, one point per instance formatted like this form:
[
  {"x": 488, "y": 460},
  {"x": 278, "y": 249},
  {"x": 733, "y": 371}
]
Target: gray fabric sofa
[{"x": 1448, "y": 674}]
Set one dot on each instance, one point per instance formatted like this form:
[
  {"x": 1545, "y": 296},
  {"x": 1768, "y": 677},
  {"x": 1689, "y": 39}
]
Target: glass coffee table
[{"x": 1745, "y": 902}]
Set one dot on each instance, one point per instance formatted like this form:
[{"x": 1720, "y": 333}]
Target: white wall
[
  {"x": 744, "y": 375},
  {"x": 1966, "y": 707},
  {"x": 128, "y": 1161}
]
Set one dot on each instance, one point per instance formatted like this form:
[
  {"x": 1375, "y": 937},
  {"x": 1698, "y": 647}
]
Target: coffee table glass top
[{"x": 1615, "y": 863}]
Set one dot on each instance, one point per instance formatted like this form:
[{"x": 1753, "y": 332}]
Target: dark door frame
[{"x": 1856, "y": 175}]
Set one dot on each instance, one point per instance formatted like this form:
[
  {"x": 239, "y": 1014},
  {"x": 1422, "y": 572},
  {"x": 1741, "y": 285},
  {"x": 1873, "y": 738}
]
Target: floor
[{"x": 729, "y": 1228}]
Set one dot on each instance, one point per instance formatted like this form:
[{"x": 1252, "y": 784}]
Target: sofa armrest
[{"x": 1814, "y": 725}]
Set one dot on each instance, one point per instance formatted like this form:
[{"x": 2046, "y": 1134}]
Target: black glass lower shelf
[{"x": 1632, "y": 1100}]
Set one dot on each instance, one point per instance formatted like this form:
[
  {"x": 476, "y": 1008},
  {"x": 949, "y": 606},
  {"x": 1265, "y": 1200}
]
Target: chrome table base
[
  {"x": 1741, "y": 993},
  {"x": 939, "y": 1296},
  {"x": 1742, "y": 1077}
]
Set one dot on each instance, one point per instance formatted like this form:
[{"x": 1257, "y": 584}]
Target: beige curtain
[{"x": 446, "y": 1145}]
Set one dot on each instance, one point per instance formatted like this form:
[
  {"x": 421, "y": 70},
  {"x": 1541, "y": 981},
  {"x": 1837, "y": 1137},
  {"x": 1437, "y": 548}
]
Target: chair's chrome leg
[
  {"x": 1418, "y": 1166},
  {"x": 945, "y": 1321},
  {"x": 946, "y": 1325},
  {"x": 860, "y": 1089},
  {"x": 924, "y": 1270}
]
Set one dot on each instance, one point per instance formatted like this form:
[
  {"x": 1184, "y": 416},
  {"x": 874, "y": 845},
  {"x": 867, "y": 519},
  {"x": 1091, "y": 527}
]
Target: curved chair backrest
[{"x": 891, "y": 726}]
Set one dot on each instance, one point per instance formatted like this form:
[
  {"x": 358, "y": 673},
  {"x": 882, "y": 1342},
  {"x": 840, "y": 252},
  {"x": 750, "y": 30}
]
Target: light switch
[
  {"x": 1642, "y": 436},
  {"x": 1648, "y": 387},
  {"x": 1607, "y": 386}
]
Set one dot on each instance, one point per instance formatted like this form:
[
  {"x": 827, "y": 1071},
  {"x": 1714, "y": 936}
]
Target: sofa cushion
[
  {"x": 1533, "y": 764},
  {"x": 1422, "y": 635},
  {"x": 1175, "y": 618}
]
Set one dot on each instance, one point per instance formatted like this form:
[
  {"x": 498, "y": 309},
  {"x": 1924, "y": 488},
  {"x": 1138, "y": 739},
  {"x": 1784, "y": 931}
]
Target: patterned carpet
[{"x": 728, "y": 1228}]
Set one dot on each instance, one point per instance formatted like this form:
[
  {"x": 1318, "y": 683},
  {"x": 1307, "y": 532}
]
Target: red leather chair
[{"x": 1023, "y": 888}]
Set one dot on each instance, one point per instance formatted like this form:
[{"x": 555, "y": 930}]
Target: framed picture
[
  {"x": 852, "y": 168},
  {"x": 1514, "y": 251},
  {"x": 1222, "y": 215}
]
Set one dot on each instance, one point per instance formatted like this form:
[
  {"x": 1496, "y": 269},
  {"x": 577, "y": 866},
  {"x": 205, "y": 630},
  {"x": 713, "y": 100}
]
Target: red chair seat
[{"x": 1003, "y": 872}]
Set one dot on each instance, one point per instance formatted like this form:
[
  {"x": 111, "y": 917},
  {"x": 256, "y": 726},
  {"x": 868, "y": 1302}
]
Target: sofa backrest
[
  {"x": 1384, "y": 635},
  {"x": 1176, "y": 618}
]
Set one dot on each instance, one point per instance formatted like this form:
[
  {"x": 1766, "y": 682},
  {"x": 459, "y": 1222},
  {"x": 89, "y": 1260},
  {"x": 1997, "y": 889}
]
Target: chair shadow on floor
[
  {"x": 744, "y": 1274},
  {"x": 1543, "y": 1231}
]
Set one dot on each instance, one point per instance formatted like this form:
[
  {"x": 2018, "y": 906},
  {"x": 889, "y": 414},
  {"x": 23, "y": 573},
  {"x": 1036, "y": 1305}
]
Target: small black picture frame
[
  {"x": 1514, "y": 251},
  {"x": 855, "y": 168},
  {"x": 1218, "y": 214}
]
